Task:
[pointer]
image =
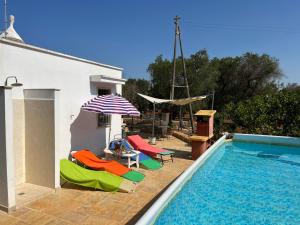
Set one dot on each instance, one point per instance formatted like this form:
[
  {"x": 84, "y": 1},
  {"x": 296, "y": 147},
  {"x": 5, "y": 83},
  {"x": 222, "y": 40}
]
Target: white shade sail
[
  {"x": 182, "y": 101},
  {"x": 154, "y": 100}
]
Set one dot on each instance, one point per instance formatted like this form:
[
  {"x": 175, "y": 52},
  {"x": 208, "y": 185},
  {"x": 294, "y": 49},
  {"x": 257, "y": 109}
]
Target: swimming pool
[{"x": 240, "y": 183}]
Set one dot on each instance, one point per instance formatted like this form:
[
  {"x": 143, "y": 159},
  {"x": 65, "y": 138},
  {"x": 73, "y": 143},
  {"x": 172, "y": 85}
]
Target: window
[
  {"x": 103, "y": 120},
  {"x": 104, "y": 91}
]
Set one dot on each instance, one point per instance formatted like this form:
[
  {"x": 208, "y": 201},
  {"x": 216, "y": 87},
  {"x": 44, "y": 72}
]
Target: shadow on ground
[
  {"x": 68, "y": 185},
  {"x": 180, "y": 154}
]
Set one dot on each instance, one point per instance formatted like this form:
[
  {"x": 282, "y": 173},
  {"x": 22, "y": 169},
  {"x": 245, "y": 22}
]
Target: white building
[{"x": 41, "y": 121}]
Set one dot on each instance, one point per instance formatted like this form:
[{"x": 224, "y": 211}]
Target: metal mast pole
[
  {"x": 174, "y": 57},
  {"x": 174, "y": 67},
  {"x": 185, "y": 79}
]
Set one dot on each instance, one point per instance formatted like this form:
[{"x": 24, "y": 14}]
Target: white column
[
  {"x": 57, "y": 139},
  {"x": 7, "y": 159}
]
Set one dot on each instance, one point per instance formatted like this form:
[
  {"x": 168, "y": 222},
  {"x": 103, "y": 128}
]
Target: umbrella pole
[
  {"x": 109, "y": 135},
  {"x": 153, "y": 122}
]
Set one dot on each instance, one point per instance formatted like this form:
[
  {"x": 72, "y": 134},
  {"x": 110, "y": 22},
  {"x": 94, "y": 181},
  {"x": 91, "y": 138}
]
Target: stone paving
[
  {"x": 26, "y": 193},
  {"x": 76, "y": 205}
]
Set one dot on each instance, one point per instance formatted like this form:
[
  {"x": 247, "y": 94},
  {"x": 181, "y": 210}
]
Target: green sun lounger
[{"x": 102, "y": 180}]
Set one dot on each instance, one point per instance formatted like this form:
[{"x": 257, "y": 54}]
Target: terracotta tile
[
  {"x": 58, "y": 222},
  {"x": 19, "y": 212},
  {"x": 94, "y": 220},
  {"x": 31, "y": 216},
  {"x": 40, "y": 204},
  {"x": 90, "y": 199},
  {"x": 67, "y": 193},
  {"x": 74, "y": 217},
  {"x": 50, "y": 197},
  {"x": 20, "y": 222},
  {"x": 66, "y": 203},
  {"x": 55, "y": 211},
  {"x": 87, "y": 210},
  {"x": 6, "y": 219},
  {"x": 45, "y": 219},
  {"x": 111, "y": 205},
  {"x": 128, "y": 218},
  {"x": 121, "y": 197}
]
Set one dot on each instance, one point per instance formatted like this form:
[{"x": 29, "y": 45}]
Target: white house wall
[
  {"x": 7, "y": 155},
  {"x": 39, "y": 69},
  {"x": 19, "y": 139}
]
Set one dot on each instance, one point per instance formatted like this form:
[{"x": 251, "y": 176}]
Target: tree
[
  {"x": 134, "y": 86},
  {"x": 243, "y": 77},
  {"x": 202, "y": 74},
  {"x": 233, "y": 78},
  {"x": 160, "y": 71}
]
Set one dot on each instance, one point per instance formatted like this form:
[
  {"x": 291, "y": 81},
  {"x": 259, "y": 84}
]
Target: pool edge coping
[
  {"x": 267, "y": 139},
  {"x": 154, "y": 211}
]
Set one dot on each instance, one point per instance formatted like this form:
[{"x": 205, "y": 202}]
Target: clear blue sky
[{"x": 131, "y": 33}]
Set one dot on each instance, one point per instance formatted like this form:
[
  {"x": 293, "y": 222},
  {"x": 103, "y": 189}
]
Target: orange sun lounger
[{"x": 89, "y": 159}]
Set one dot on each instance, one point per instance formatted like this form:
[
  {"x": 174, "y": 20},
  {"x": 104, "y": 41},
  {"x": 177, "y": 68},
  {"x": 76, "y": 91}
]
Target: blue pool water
[{"x": 242, "y": 183}]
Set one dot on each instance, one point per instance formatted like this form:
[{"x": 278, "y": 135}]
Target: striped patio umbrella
[{"x": 110, "y": 104}]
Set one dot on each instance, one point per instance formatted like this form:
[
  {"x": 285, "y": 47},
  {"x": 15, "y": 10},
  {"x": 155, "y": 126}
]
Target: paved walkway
[{"x": 75, "y": 205}]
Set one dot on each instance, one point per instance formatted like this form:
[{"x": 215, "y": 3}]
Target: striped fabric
[{"x": 110, "y": 104}]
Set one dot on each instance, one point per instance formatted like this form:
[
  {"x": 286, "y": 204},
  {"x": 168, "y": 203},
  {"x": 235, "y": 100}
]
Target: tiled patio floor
[
  {"x": 26, "y": 193},
  {"x": 75, "y": 205}
]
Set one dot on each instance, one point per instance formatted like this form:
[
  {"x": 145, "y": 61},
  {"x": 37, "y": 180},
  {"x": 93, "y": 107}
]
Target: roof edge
[{"x": 50, "y": 52}]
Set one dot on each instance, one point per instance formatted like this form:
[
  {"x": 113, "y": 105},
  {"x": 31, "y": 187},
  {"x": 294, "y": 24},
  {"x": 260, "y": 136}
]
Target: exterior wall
[
  {"x": 19, "y": 139},
  {"x": 47, "y": 70},
  {"x": 40, "y": 141},
  {"x": 7, "y": 167}
]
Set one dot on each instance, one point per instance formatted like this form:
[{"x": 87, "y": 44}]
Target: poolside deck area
[{"x": 76, "y": 205}]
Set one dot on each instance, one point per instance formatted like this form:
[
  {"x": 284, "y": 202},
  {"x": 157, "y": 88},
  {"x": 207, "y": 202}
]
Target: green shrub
[{"x": 276, "y": 114}]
